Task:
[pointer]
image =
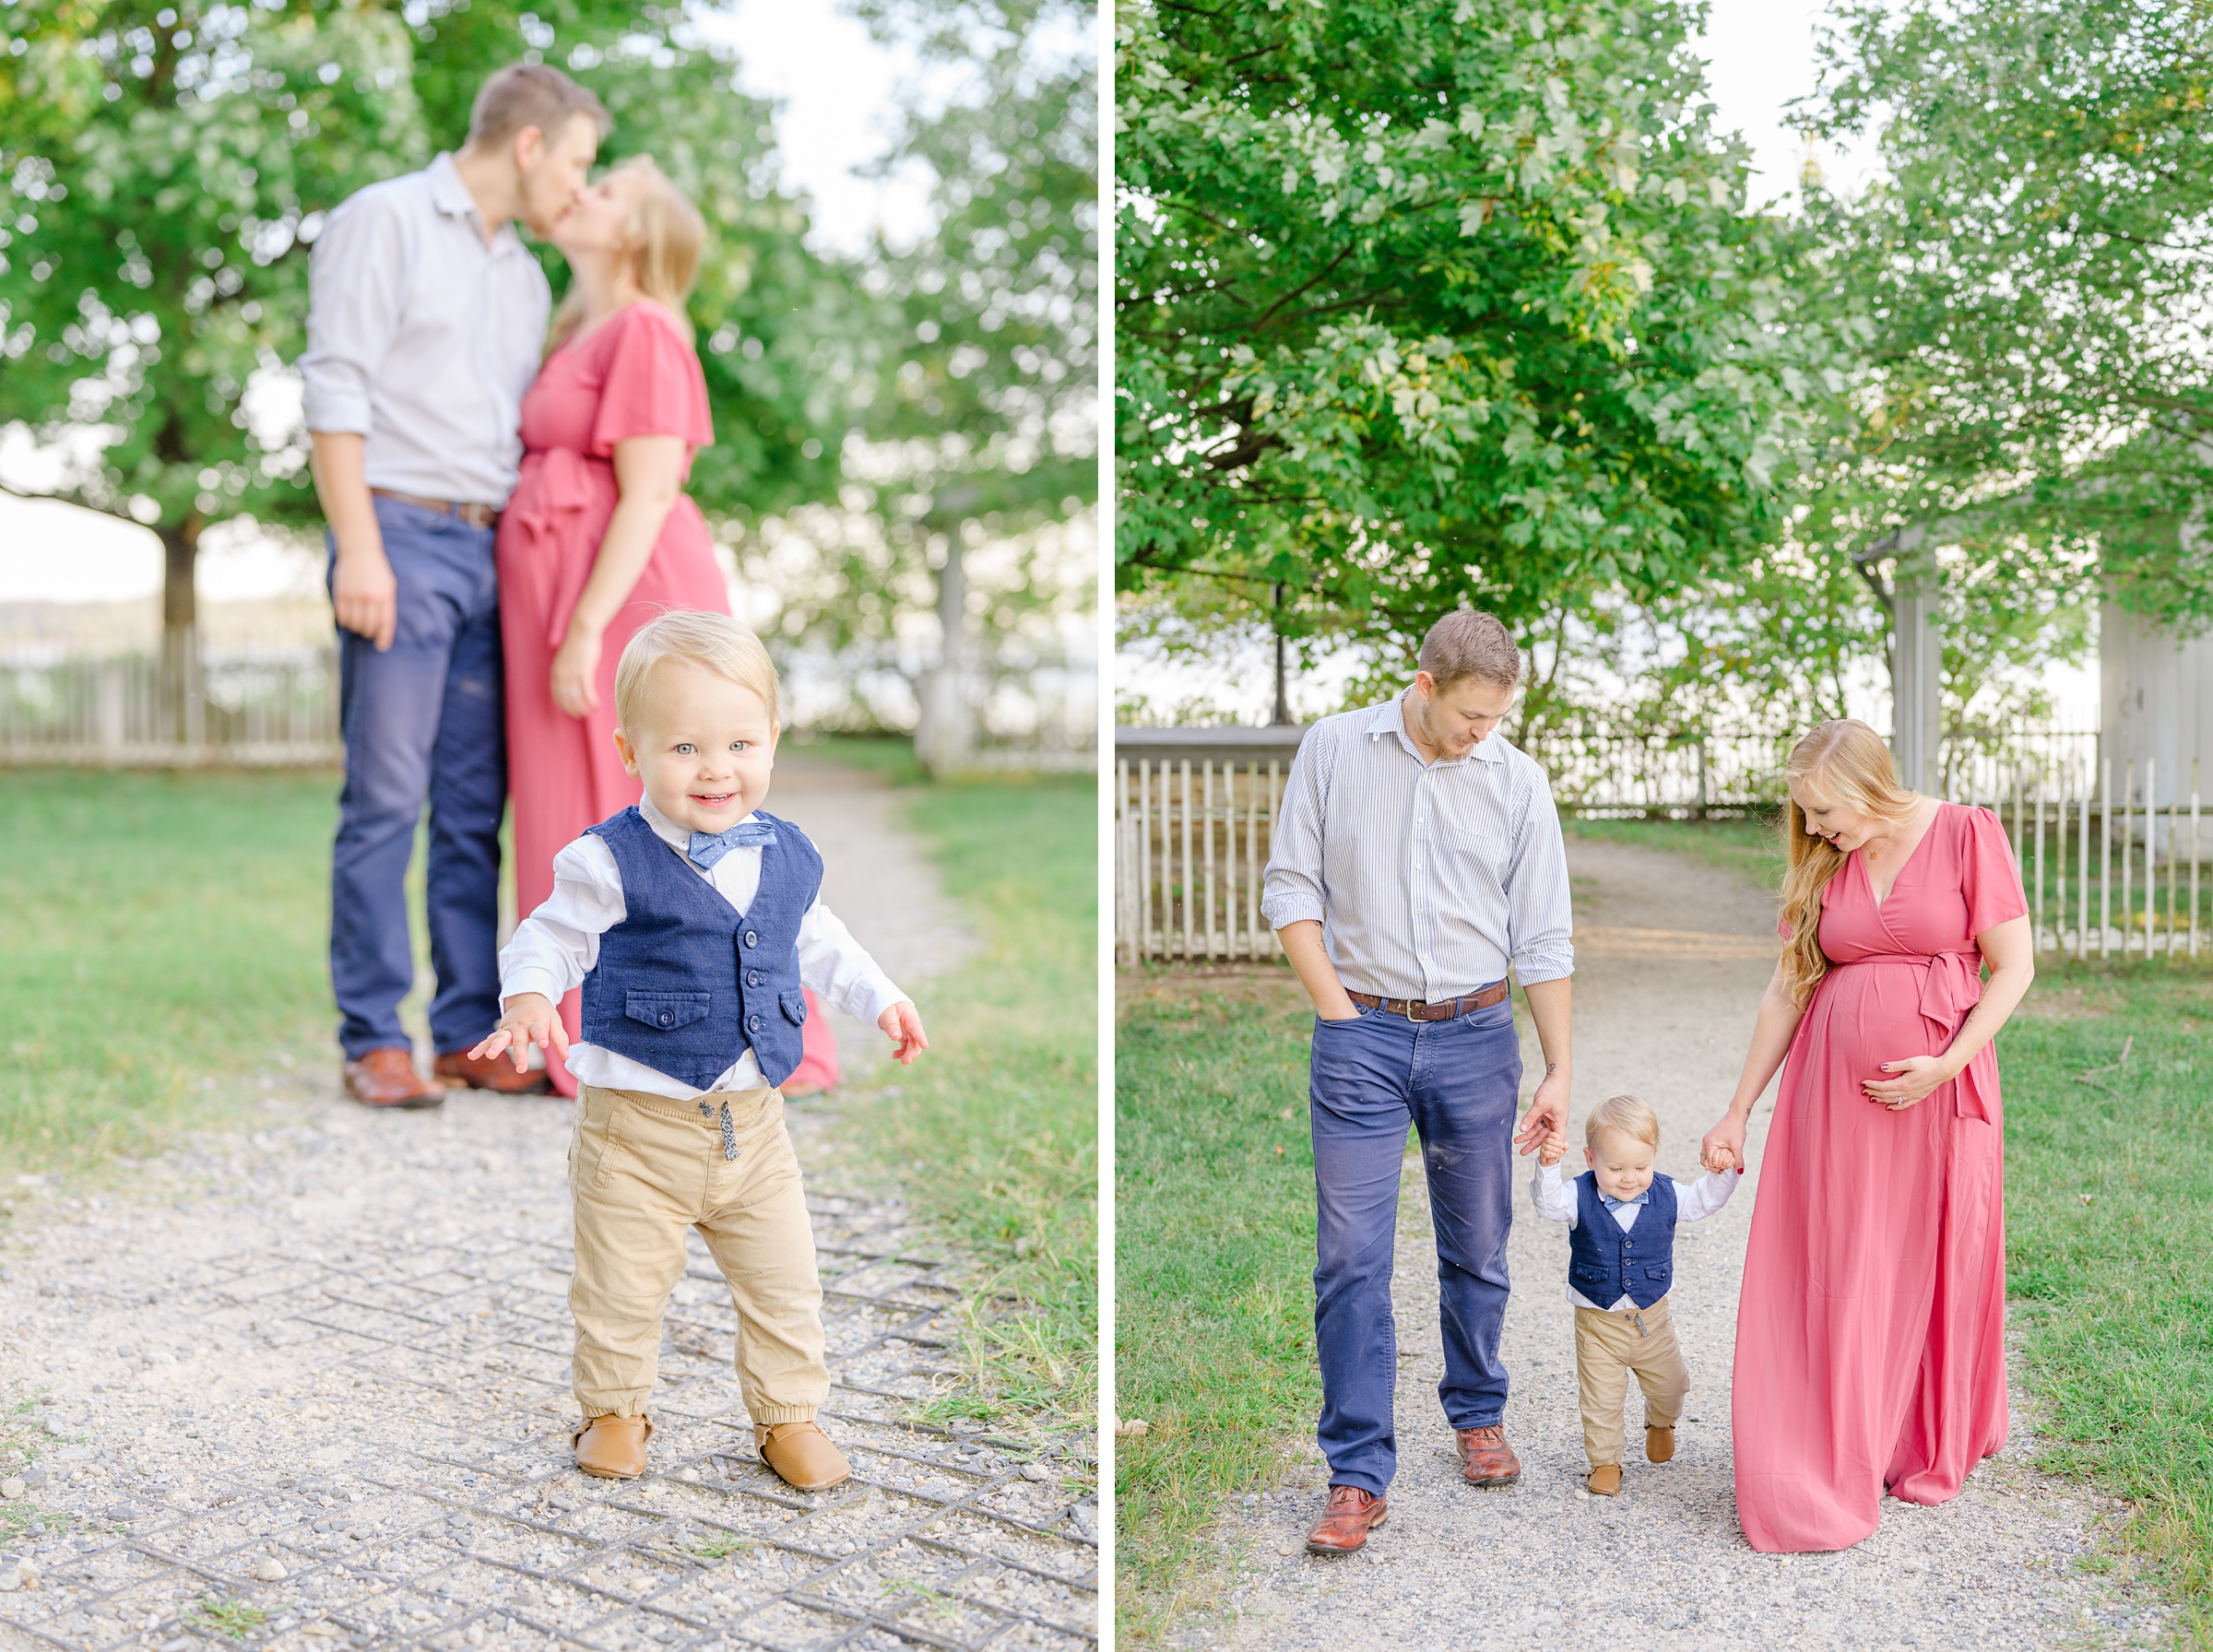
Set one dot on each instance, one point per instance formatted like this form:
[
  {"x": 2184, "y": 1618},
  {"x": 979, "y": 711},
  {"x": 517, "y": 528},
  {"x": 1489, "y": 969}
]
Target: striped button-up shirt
[{"x": 1428, "y": 880}]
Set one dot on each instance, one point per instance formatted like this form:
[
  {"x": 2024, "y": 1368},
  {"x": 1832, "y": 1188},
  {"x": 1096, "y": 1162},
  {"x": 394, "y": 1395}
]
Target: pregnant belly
[{"x": 1865, "y": 1014}]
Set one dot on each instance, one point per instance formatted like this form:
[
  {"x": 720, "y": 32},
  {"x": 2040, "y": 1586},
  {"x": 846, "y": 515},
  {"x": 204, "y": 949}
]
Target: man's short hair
[
  {"x": 1466, "y": 644},
  {"x": 531, "y": 94},
  {"x": 1632, "y": 1117},
  {"x": 714, "y": 640}
]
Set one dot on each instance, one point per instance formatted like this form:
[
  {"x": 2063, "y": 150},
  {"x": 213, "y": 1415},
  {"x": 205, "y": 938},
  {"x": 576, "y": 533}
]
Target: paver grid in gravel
[
  {"x": 339, "y": 1346},
  {"x": 481, "y": 1534}
]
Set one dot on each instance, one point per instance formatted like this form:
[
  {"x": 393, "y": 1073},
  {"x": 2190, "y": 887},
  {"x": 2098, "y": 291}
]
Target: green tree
[
  {"x": 980, "y": 422},
  {"x": 2031, "y": 267},
  {"x": 164, "y": 168},
  {"x": 1432, "y": 302}
]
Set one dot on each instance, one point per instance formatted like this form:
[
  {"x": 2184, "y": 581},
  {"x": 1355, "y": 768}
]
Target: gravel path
[
  {"x": 306, "y": 1386},
  {"x": 1671, "y": 958}
]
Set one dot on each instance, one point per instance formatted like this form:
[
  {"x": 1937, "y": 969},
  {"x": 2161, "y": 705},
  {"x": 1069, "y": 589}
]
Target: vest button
[
  {"x": 753, "y": 939},
  {"x": 665, "y": 1018},
  {"x": 753, "y": 977},
  {"x": 753, "y": 1023}
]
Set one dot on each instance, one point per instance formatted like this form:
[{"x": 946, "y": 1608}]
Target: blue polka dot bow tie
[
  {"x": 1612, "y": 1203},
  {"x": 707, "y": 847}
]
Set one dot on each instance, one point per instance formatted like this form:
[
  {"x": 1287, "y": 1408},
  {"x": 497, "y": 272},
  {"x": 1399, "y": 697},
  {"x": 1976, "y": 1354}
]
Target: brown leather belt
[
  {"x": 1444, "y": 1009},
  {"x": 476, "y": 515}
]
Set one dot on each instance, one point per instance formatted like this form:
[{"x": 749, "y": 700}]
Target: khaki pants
[
  {"x": 1607, "y": 1348},
  {"x": 643, "y": 1169}
]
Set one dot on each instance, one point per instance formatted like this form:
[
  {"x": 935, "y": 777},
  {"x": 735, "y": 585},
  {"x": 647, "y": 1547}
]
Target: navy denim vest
[
  {"x": 685, "y": 982},
  {"x": 1605, "y": 1264}
]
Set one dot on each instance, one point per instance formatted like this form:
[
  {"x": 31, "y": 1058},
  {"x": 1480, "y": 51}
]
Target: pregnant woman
[
  {"x": 599, "y": 536},
  {"x": 1870, "y": 1334}
]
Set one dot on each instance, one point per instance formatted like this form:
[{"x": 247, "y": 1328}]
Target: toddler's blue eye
[
  {"x": 683, "y": 750},
  {"x": 739, "y": 745}
]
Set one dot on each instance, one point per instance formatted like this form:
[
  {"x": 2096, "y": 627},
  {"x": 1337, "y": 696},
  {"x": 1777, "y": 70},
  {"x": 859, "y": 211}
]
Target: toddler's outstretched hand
[
  {"x": 1550, "y": 1149},
  {"x": 1720, "y": 1160},
  {"x": 903, "y": 1025},
  {"x": 531, "y": 1018}
]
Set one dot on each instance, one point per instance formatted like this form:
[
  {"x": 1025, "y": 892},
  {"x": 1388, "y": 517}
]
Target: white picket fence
[
  {"x": 2071, "y": 839},
  {"x": 258, "y": 708},
  {"x": 2110, "y": 872}
]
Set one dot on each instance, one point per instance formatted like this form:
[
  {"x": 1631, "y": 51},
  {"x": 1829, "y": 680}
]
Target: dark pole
[{"x": 1283, "y": 697}]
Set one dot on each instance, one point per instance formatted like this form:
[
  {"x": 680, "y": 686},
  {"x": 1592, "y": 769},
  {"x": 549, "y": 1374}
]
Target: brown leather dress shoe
[
  {"x": 458, "y": 1069},
  {"x": 1606, "y": 1481},
  {"x": 1485, "y": 1460},
  {"x": 1350, "y": 1514},
  {"x": 801, "y": 1455},
  {"x": 387, "y": 1078},
  {"x": 612, "y": 1447},
  {"x": 1659, "y": 1444}
]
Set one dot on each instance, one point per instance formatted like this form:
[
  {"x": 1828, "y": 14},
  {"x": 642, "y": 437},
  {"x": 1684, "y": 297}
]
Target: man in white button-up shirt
[
  {"x": 1417, "y": 860},
  {"x": 426, "y": 318}
]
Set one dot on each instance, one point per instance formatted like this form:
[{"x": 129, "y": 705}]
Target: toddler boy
[
  {"x": 692, "y": 921},
  {"x": 1621, "y": 1263}
]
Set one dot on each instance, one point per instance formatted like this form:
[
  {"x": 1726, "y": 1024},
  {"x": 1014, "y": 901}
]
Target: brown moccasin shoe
[
  {"x": 1606, "y": 1481},
  {"x": 1485, "y": 1460},
  {"x": 1659, "y": 1444},
  {"x": 387, "y": 1078},
  {"x": 801, "y": 1455},
  {"x": 612, "y": 1447},
  {"x": 1345, "y": 1522},
  {"x": 458, "y": 1069}
]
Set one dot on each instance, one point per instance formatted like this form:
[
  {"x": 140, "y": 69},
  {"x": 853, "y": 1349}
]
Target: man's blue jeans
[
  {"x": 1456, "y": 1083},
  {"x": 422, "y": 724}
]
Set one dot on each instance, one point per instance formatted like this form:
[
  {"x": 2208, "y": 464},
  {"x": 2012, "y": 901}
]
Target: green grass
[
  {"x": 880, "y": 754},
  {"x": 1751, "y": 848},
  {"x": 232, "y": 1619},
  {"x": 158, "y": 935},
  {"x": 995, "y": 1130},
  {"x": 1213, "y": 1259},
  {"x": 2109, "y": 1212}
]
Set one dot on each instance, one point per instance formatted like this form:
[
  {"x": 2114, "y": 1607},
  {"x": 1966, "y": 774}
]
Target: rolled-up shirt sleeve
[
  {"x": 356, "y": 283},
  {"x": 1540, "y": 920},
  {"x": 1291, "y": 888}
]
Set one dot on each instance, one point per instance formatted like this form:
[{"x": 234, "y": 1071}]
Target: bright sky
[{"x": 835, "y": 84}]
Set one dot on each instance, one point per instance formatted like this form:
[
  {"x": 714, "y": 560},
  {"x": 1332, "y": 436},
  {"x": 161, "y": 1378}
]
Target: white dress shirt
[
  {"x": 557, "y": 945},
  {"x": 1428, "y": 879},
  {"x": 1694, "y": 1201},
  {"x": 422, "y": 339}
]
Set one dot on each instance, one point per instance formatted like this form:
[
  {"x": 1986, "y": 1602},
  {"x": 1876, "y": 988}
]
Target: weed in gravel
[{"x": 235, "y": 1619}]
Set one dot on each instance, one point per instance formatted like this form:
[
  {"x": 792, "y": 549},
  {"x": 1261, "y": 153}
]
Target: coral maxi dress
[
  {"x": 635, "y": 375},
  {"x": 1870, "y": 1344}
]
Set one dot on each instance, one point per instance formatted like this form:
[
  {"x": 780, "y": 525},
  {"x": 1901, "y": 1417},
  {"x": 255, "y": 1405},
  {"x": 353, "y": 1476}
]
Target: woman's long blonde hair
[
  {"x": 663, "y": 236},
  {"x": 1850, "y": 762}
]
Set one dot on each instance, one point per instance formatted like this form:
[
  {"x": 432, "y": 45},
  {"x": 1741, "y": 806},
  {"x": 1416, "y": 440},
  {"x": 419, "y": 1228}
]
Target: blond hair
[
  {"x": 1465, "y": 643},
  {"x": 663, "y": 235},
  {"x": 531, "y": 94},
  {"x": 714, "y": 640},
  {"x": 1632, "y": 1117},
  {"x": 1850, "y": 763}
]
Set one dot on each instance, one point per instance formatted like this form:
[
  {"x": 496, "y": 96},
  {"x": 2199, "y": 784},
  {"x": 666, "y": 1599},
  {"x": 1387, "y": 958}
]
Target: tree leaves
[{"x": 1429, "y": 303}]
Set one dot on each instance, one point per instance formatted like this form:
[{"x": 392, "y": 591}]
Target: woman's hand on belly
[{"x": 1913, "y": 1078}]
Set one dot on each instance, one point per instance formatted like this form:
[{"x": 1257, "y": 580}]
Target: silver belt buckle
[{"x": 1411, "y": 1019}]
